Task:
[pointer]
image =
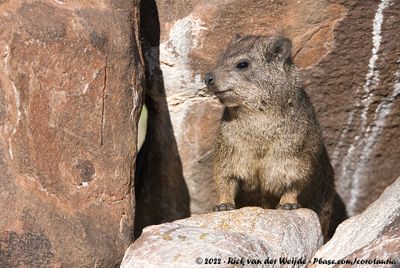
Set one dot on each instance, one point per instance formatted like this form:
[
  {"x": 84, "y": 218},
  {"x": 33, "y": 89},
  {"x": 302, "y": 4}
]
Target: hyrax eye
[{"x": 242, "y": 65}]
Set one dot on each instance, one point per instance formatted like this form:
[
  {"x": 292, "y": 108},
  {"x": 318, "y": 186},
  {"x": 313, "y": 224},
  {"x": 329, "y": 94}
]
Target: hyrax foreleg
[
  {"x": 289, "y": 200},
  {"x": 227, "y": 188}
]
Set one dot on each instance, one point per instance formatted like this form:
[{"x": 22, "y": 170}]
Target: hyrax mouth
[{"x": 222, "y": 91}]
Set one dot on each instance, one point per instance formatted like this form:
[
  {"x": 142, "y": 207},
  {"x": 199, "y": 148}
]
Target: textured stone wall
[
  {"x": 360, "y": 109},
  {"x": 70, "y": 95}
]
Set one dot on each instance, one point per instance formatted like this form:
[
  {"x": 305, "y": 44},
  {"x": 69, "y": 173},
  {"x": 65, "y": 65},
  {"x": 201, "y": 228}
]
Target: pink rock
[
  {"x": 224, "y": 237},
  {"x": 70, "y": 93}
]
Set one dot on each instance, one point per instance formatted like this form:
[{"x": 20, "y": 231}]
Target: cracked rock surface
[
  {"x": 70, "y": 89},
  {"x": 249, "y": 233}
]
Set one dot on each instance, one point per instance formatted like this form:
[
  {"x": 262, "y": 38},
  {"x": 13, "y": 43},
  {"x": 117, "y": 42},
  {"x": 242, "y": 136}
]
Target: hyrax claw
[{"x": 224, "y": 207}]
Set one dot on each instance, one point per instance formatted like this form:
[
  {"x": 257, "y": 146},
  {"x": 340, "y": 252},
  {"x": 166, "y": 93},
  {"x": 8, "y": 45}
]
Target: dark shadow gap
[
  {"x": 339, "y": 214},
  {"x": 160, "y": 189}
]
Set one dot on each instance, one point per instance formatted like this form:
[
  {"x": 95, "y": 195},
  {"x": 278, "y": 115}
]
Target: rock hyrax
[{"x": 269, "y": 150}]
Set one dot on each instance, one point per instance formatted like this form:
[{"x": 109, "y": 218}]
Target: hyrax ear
[
  {"x": 236, "y": 38},
  {"x": 279, "y": 50}
]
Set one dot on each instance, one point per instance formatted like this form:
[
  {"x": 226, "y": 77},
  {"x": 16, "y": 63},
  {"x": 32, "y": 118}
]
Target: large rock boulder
[
  {"x": 347, "y": 51},
  {"x": 372, "y": 235},
  {"x": 249, "y": 235},
  {"x": 354, "y": 88},
  {"x": 70, "y": 94}
]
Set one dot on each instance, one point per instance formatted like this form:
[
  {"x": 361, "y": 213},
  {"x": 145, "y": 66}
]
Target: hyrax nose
[{"x": 209, "y": 79}]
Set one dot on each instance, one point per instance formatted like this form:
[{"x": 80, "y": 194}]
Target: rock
[
  {"x": 161, "y": 191},
  {"x": 142, "y": 127},
  {"x": 374, "y": 234},
  {"x": 354, "y": 88},
  {"x": 70, "y": 93},
  {"x": 250, "y": 233},
  {"x": 347, "y": 51}
]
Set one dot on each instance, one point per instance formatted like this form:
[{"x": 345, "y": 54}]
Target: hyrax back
[{"x": 269, "y": 150}]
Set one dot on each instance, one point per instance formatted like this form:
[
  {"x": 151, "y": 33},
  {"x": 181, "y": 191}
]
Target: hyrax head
[{"x": 254, "y": 72}]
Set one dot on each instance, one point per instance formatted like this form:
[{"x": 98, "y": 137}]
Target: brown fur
[{"x": 270, "y": 149}]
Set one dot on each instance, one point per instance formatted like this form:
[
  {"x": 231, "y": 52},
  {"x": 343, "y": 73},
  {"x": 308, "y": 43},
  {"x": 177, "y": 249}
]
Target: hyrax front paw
[
  {"x": 224, "y": 207},
  {"x": 289, "y": 206}
]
